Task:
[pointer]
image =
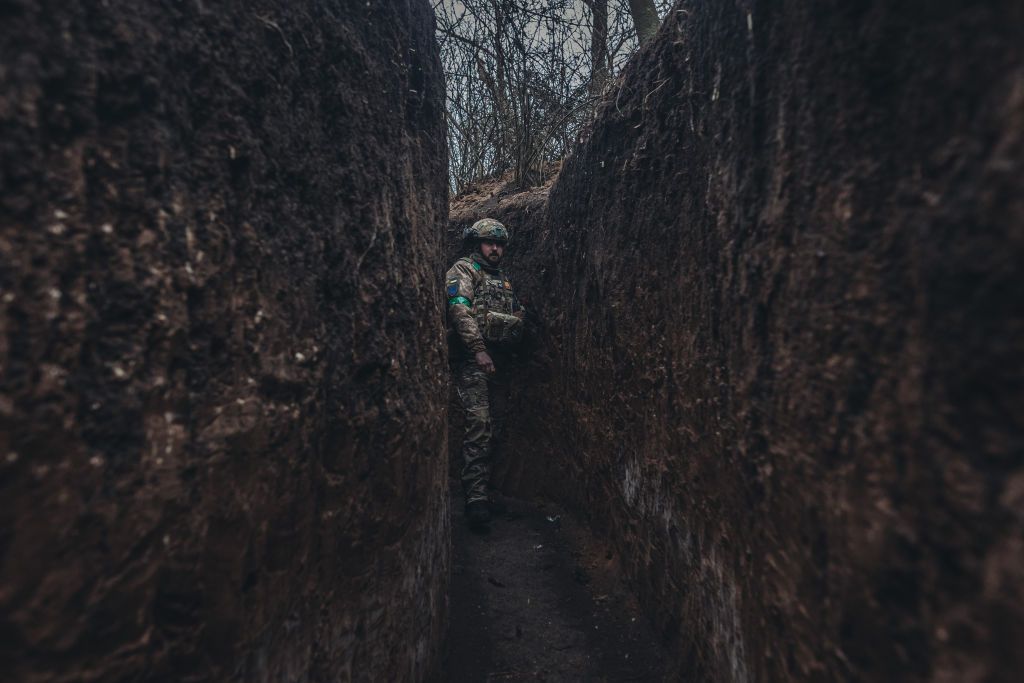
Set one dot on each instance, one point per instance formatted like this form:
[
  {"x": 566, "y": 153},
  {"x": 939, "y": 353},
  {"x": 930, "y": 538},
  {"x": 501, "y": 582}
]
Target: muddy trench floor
[{"x": 537, "y": 599}]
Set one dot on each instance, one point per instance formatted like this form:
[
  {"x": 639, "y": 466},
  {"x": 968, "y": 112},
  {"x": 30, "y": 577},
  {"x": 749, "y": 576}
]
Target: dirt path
[{"x": 533, "y": 600}]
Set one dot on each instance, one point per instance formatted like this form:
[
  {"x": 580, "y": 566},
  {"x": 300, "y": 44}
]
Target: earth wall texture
[
  {"x": 221, "y": 455},
  {"x": 781, "y": 283}
]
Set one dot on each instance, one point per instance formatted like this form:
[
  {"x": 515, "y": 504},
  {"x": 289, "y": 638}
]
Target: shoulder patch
[{"x": 453, "y": 288}]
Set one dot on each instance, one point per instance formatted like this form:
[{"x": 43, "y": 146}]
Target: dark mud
[{"x": 537, "y": 599}]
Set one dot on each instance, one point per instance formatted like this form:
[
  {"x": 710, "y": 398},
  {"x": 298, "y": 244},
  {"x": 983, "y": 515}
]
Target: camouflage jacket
[{"x": 474, "y": 289}]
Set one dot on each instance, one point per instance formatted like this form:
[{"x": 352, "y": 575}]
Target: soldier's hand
[{"x": 483, "y": 359}]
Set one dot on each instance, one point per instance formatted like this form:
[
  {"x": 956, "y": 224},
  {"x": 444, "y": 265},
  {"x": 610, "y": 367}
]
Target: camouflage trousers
[{"x": 484, "y": 400}]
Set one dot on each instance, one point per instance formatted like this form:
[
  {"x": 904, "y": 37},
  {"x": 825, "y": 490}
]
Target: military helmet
[{"x": 487, "y": 229}]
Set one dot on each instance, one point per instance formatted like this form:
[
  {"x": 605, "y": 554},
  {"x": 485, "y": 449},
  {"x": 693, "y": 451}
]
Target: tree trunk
[
  {"x": 598, "y": 45},
  {"x": 645, "y": 19},
  {"x": 506, "y": 113}
]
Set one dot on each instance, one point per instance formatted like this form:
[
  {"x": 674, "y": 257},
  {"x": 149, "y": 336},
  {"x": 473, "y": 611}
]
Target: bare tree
[
  {"x": 600, "y": 68},
  {"x": 523, "y": 77}
]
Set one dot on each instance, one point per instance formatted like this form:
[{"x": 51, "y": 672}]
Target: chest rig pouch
[
  {"x": 500, "y": 328},
  {"x": 493, "y": 312}
]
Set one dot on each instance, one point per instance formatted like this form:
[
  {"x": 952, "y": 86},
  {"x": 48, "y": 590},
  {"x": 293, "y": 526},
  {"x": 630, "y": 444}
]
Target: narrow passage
[{"x": 536, "y": 599}]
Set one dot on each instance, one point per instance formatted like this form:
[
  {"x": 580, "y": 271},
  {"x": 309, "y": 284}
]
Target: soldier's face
[{"x": 492, "y": 251}]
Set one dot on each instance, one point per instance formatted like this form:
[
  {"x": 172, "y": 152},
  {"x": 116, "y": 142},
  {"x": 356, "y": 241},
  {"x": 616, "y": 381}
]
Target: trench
[{"x": 767, "y": 423}]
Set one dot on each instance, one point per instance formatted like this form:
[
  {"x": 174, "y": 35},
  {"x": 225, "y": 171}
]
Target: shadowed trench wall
[
  {"x": 220, "y": 458},
  {"x": 779, "y": 297}
]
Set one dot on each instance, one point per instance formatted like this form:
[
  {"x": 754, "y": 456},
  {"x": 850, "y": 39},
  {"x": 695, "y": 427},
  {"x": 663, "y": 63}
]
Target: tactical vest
[{"x": 494, "y": 305}]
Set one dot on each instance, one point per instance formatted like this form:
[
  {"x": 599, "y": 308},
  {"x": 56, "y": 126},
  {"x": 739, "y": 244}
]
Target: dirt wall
[
  {"x": 782, "y": 288},
  {"x": 219, "y": 458}
]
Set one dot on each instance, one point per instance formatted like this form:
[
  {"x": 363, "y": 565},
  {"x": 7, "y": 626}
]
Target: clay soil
[{"x": 537, "y": 599}]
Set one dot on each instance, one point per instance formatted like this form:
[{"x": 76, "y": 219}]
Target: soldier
[{"x": 487, "y": 321}]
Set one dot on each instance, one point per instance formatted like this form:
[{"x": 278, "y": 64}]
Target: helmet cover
[{"x": 487, "y": 229}]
